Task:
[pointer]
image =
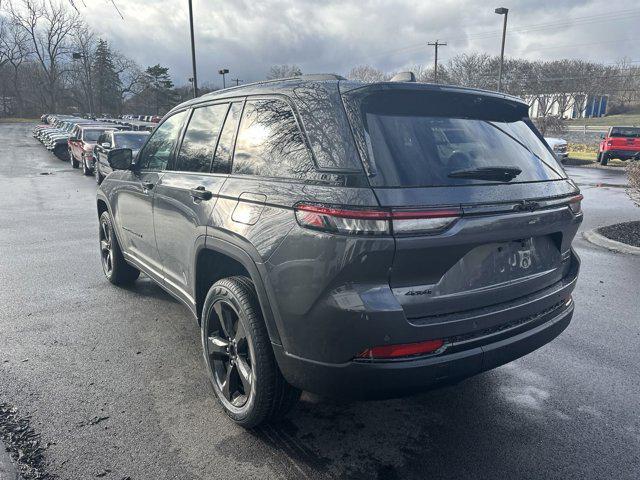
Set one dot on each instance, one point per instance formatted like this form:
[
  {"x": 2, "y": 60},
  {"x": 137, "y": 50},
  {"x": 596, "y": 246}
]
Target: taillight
[
  {"x": 355, "y": 221},
  {"x": 575, "y": 204},
  {"x": 402, "y": 350},
  {"x": 407, "y": 222}
]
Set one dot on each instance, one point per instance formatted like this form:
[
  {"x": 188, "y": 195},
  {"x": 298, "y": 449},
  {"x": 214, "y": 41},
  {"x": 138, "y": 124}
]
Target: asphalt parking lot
[{"x": 114, "y": 383}]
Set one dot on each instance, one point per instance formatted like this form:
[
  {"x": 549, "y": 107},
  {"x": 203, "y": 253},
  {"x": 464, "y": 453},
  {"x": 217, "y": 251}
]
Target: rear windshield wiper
[{"x": 499, "y": 174}]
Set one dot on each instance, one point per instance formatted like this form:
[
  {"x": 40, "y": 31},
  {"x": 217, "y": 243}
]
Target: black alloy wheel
[
  {"x": 239, "y": 357},
  {"x": 230, "y": 355},
  {"x": 96, "y": 171},
  {"x": 114, "y": 266}
]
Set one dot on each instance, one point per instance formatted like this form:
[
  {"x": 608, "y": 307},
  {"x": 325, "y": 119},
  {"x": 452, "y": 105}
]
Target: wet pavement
[{"x": 113, "y": 381}]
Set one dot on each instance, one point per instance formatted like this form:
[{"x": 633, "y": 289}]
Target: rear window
[
  {"x": 628, "y": 132},
  {"x": 91, "y": 135},
  {"x": 417, "y": 139},
  {"x": 134, "y": 141}
]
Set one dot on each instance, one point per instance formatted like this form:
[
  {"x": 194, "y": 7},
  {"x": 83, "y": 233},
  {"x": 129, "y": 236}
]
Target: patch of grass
[
  {"x": 19, "y": 120},
  {"x": 582, "y": 155},
  {"x": 626, "y": 119}
]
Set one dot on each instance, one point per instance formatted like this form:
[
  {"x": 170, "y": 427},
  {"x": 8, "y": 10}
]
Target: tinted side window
[
  {"x": 222, "y": 162},
  {"x": 269, "y": 143},
  {"x": 199, "y": 143},
  {"x": 158, "y": 149}
]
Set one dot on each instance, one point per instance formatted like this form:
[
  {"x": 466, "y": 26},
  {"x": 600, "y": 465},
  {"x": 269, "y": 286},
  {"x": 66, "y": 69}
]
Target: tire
[
  {"x": 85, "y": 170},
  {"x": 74, "y": 162},
  {"x": 604, "y": 159},
  {"x": 235, "y": 340},
  {"x": 599, "y": 157},
  {"x": 96, "y": 172},
  {"x": 114, "y": 266}
]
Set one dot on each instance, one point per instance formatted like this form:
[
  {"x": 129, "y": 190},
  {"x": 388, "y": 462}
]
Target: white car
[{"x": 559, "y": 147}]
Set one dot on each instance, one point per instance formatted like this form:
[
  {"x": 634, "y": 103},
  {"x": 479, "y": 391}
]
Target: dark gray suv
[{"x": 349, "y": 239}]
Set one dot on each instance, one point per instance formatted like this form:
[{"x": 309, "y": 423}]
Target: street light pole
[
  {"x": 502, "y": 11},
  {"x": 223, "y": 72},
  {"x": 87, "y": 75},
  {"x": 193, "y": 52}
]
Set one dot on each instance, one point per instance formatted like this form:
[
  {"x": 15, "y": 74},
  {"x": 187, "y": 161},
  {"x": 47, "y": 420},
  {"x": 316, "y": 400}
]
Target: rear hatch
[
  {"x": 624, "y": 138},
  {"x": 485, "y": 213}
]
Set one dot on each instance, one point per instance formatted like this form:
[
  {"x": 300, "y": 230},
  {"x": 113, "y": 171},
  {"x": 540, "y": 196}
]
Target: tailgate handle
[{"x": 201, "y": 193}]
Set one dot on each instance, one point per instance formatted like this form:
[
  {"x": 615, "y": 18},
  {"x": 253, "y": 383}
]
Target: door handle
[
  {"x": 147, "y": 185},
  {"x": 201, "y": 193}
]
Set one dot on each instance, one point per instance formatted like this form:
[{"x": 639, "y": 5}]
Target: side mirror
[
  {"x": 120, "y": 159},
  {"x": 105, "y": 145}
]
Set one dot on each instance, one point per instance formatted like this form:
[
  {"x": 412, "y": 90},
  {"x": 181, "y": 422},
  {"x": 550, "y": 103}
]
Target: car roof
[
  {"x": 288, "y": 86},
  {"x": 98, "y": 126}
]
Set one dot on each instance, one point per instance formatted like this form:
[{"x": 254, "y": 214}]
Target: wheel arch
[{"x": 216, "y": 259}]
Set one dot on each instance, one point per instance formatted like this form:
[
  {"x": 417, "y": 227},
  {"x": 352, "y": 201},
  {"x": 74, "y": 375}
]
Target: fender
[{"x": 249, "y": 258}]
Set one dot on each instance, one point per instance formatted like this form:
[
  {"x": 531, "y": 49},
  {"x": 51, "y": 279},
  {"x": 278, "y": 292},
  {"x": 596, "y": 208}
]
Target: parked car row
[
  {"x": 132, "y": 123},
  {"x": 143, "y": 118},
  {"x": 85, "y": 141}
]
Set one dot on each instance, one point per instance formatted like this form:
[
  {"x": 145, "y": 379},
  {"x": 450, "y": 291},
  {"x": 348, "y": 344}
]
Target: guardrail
[{"x": 587, "y": 128}]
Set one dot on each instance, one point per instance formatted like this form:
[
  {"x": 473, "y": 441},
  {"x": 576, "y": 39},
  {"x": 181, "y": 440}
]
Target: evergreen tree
[
  {"x": 106, "y": 80},
  {"x": 159, "y": 82}
]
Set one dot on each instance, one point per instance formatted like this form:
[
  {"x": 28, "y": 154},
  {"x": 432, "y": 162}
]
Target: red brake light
[
  {"x": 342, "y": 220},
  {"x": 575, "y": 204},
  {"x": 402, "y": 350},
  {"x": 375, "y": 221}
]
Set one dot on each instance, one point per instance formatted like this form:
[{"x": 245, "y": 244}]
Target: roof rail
[{"x": 310, "y": 76}]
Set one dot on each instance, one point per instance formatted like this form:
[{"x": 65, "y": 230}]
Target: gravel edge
[
  {"x": 22, "y": 444},
  {"x": 594, "y": 237},
  {"x": 7, "y": 468}
]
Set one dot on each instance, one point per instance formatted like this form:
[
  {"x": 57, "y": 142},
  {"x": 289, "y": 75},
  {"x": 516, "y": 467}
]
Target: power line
[{"x": 599, "y": 18}]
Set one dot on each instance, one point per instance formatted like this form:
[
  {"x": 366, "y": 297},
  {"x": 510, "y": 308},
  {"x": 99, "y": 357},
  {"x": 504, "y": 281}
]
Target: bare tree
[
  {"x": 369, "y": 74},
  {"x": 83, "y": 43},
  {"x": 283, "y": 71},
  {"x": 14, "y": 51},
  {"x": 131, "y": 75},
  {"x": 49, "y": 27}
]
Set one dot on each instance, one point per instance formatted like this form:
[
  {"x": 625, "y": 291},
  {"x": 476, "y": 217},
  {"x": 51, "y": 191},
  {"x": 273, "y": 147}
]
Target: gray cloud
[{"x": 333, "y": 36}]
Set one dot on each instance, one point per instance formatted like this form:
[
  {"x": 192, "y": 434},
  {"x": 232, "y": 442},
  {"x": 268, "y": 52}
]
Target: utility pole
[
  {"x": 237, "y": 80},
  {"x": 435, "y": 63},
  {"x": 502, "y": 11},
  {"x": 193, "y": 52}
]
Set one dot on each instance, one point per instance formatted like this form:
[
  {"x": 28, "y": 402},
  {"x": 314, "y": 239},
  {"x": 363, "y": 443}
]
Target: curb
[{"x": 594, "y": 237}]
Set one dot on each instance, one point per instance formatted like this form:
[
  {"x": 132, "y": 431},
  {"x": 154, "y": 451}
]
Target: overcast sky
[{"x": 334, "y": 35}]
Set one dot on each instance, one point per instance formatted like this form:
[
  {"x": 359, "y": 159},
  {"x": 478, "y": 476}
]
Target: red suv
[
  {"x": 83, "y": 140},
  {"x": 620, "y": 142}
]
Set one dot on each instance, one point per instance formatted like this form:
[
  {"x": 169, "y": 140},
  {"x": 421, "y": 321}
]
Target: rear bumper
[
  {"x": 623, "y": 154},
  {"x": 375, "y": 380},
  {"x": 477, "y": 340}
]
